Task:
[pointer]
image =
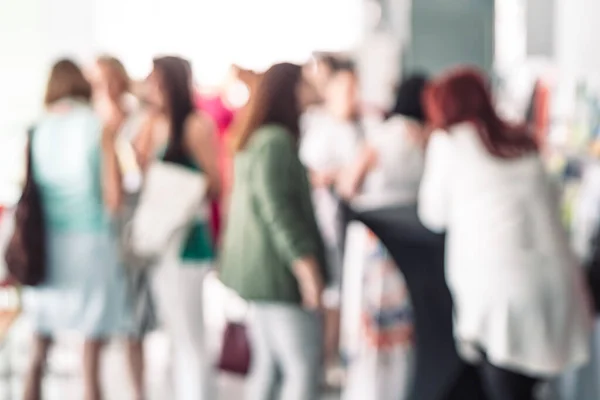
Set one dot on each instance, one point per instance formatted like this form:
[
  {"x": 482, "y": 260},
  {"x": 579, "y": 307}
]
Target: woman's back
[
  {"x": 500, "y": 212},
  {"x": 506, "y": 204},
  {"x": 397, "y": 174},
  {"x": 66, "y": 161}
]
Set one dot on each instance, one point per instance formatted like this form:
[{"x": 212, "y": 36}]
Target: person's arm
[
  {"x": 351, "y": 178},
  {"x": 143, "y": 141},
  {"x": 111, "y": 173},
  {"x": 201, "y": 142},
  {"x": 274, "y": 187},
  {"x": 435, "y": 185}
]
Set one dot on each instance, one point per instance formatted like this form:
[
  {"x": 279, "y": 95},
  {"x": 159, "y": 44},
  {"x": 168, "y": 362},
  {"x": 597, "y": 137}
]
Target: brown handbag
[
  {"x": 25, "y": 255},
  {"x": 235, "y": 353}
]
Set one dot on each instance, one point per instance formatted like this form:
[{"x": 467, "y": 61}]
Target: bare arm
[
  {"x": 143, "y": 142},
  {"x": 111, "y": 174},
  {"x": 200, "y": 140},
  {"x": 351, "y": 178}
]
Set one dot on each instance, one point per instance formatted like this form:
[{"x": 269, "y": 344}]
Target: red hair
[{"x": 462, "y": 95}]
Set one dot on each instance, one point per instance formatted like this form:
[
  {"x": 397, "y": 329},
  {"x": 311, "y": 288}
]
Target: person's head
[
  {"x": 169, "y": 85},
  {"x": 463, "y": 96},
  {"x": 110, "y": 78},
  {"x": 67, "y": 81},
  {"x": 324, "y": 65},
  {"x": 170, "y": 92},
  {"x": 280, "y": 97},
  {"x": 409, "y": 98},
  {"x": 341, "y": 92}
]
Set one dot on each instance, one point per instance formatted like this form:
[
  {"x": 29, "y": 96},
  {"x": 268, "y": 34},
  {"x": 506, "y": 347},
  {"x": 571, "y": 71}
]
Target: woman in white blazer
[{"x": 520, "y": 302}]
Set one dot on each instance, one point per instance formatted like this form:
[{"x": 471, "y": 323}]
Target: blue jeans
[{"x": 287, "y": 352}]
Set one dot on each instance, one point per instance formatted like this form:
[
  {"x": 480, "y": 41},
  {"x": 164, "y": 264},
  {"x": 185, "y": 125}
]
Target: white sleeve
[{"x": 434, "y": 193}]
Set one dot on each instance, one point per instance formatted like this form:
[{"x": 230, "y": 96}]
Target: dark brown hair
[
  {"x": 67, "y": 80},
  {"x": 116, "y": 71},
  {"x": 176, "y": 83},
  {"x": 274, "y": 102},
  {"x": 462, "y": 95}
]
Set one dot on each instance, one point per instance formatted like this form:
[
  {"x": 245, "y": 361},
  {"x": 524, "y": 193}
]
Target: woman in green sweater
[{"x": 273, "y": 255}]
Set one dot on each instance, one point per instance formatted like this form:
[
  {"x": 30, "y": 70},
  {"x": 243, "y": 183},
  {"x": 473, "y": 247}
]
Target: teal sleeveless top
[{"x": 70, "y": 179}]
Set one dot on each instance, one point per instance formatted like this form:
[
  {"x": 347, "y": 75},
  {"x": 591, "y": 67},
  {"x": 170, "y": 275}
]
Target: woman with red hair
[{"x": 520, "y": 303}]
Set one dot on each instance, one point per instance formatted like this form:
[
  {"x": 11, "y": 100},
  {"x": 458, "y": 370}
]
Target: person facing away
[
  {"x": 74, "y": 164},
  {"x": 387, "y": 168},
  {"x": 519, "y": 296},
  {"x": 385, "y": 172},
  {"x": 176, "y": 133},
  {"x": 273, "y": 255},
  {"x": 114, "y": 104},
  {"x": 330, "y": 138}
]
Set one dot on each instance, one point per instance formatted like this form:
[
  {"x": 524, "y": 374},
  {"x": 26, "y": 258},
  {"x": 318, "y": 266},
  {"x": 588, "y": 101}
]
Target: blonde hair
[{"x": 116, "y": 71}]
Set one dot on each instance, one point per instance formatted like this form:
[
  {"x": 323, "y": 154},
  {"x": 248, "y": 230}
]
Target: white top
[
  {"x": 326, "y": 145},
  {"x": 518, "y": 292},
  {"x": 396, "y": 177}
]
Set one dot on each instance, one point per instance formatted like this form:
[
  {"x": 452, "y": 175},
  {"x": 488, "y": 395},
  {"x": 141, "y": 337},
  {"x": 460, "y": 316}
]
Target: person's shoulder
[
  {"x": 272, "y": 135},
  {"x": 84, "y": 114},
  {"x": 199, "y": 121},
  {"x": 441, "y": 139}
]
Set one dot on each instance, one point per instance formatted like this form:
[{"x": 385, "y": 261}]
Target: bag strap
[{"x": 29, "y": 155}]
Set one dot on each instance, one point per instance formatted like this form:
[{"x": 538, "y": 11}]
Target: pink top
[{"x": 222, "y": 116}]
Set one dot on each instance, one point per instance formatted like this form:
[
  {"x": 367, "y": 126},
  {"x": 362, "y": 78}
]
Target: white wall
[{"x": 212, "y": 33}]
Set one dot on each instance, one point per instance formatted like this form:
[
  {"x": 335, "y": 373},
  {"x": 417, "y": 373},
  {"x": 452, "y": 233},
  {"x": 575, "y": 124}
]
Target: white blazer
[{"x": 519, "y": 294}]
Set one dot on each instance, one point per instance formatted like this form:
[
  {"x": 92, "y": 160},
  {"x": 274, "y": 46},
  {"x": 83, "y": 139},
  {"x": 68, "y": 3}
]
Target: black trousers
[{"x": 501, "y": 384}]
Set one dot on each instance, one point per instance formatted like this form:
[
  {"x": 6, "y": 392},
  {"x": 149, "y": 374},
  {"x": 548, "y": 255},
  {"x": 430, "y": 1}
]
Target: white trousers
[
  {"x": 179, "y": 292},
  {"x": 287, "y": 353}
]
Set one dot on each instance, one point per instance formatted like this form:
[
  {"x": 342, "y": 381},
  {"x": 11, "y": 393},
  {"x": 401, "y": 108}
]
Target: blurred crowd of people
[{"x": 282, "y": 173}]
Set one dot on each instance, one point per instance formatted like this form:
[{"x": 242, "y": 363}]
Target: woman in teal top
[
  {"x": 177, "y": 134},
  {"x": 74, "y": 165},
  {"x": 273, "y": 255}
]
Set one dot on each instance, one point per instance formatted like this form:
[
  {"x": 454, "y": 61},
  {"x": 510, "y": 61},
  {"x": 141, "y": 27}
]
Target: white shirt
[
  {"x": 518, "y": 291},
  {"x": 327, "y": 143}
]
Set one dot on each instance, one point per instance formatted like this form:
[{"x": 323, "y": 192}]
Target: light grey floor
[{"x": 63, "y": 380}]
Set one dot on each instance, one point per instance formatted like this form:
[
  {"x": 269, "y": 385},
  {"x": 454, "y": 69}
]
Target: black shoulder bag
[{"x": 26, "y": 252}]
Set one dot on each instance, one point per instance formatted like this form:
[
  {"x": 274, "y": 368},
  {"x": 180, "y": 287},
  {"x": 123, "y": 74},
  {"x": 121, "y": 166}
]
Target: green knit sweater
[{"x": 271, "y": 220}]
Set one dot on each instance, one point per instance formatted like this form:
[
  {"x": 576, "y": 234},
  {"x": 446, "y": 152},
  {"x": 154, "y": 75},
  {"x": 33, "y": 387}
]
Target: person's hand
[
  {"x": 322, "y": 179},
  {"x": 349, "y": 183},
  {"x": 310, "y": 281},
  {"x": 369, "y": 157}
]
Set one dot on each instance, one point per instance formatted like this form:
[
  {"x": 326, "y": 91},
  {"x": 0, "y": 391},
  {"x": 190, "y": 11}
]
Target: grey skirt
[{"x": 144, "y": 319}]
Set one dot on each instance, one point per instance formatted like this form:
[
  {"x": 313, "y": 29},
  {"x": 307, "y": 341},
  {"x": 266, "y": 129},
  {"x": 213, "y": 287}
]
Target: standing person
[
  {"x": 74, "y": 163},
  {"x": 329, "y": 145},
  {"x": 377, "y": 316},
  {"x": 178, "y": 134},
  {"x": 113, "y": 102},
  {"x": 273, "y": 255},
  {"x": 518, "y": 293},
  {"x": 222, "y": 116}
]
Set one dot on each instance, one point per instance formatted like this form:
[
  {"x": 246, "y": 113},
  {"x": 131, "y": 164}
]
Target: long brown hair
[
  {"x": 275, "y": 101},
  {"x": 462, "y": 95},
  {"x": 67, "y": 80}
]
